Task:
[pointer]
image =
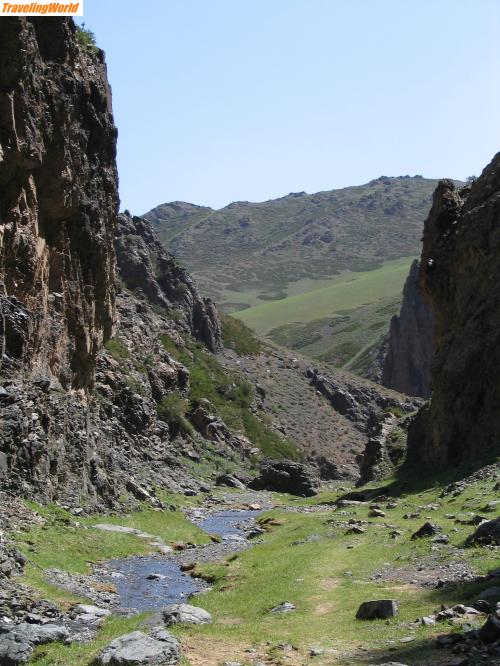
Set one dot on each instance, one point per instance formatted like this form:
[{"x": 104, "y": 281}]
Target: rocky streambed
[
  {"x": 130, "y": 585},
  {"x": 151, "y": 582},
  {"x": 148, "y": 583}
]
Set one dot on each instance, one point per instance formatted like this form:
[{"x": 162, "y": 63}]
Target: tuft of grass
[
  {"x": 239, "y": 337},
  {"x": 173, "y": 409},
  {"x": 117, "y": 348}
]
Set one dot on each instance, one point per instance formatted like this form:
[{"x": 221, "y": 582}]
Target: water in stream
[{"x": 130, "y": 577}]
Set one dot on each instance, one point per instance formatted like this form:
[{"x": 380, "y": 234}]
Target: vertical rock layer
[
  {"x": 407, "y": 364},
  {"x": 459, "y": 278},
  {"x": 58, "y": 201}
]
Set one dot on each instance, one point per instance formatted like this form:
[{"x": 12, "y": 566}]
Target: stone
[
  {"x": 481, "y": 605},
  {"x": 230, "y": 481},
  {"x": 185, "y": 614},
  {"x": 491, "y": 593},
  {"x": 13, "y": 649},
  {"x": 441, "y": 538},
  {"x": 490, "y": 631},
  {"x": 488, "y": 533},
  {"x": 284, "y": 607},
  {"x": 286, "y": 476},
  {"x": 87, "y": 609},
  {"x": 377, "y": 609},
  {"x": 156, "y": 576},
  {"x": 376, "y": 513},
  {"x": 428, "y": 620},
  {"x": 38, "y": 634},
  {"x": 139, "y": 649},
  {"x": 316, "y": 652},
  {"x": 427, "y": 530}
]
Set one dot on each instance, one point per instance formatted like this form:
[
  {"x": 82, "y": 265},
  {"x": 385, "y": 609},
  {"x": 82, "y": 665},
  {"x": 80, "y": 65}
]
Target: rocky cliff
[
  {"x": 459, "y": 279},
  {"x": 85, "y": 371},
  {"x": 407, "y": 363},
  {"x": 146, "y": 266},
  {"x": 58, "y": 202}
]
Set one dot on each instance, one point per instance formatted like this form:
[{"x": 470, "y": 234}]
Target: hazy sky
[{"x": 224, "y": 100}]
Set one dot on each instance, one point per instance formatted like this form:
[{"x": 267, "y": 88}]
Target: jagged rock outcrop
[
  {"x": 362, "y": 404},
  {"x": 459, "y": 279},
  {"x": 145, "y": 264},
  {"x": 58, "y": 202},
  {"x": 407, "y": 364}
]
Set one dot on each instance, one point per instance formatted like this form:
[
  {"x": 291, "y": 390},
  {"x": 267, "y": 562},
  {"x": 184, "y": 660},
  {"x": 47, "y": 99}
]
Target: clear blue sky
[{"x": 223, "y": 100}]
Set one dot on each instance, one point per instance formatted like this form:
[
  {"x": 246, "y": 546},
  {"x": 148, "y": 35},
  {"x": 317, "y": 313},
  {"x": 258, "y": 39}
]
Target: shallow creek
[{"x": 132, "y": 576}]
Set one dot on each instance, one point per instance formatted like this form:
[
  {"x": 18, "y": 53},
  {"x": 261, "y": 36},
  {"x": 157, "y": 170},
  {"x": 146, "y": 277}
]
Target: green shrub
[
  {"x": 173, "y": 409},
  {"x": 86, "y": 38},
  {"x": 395, "y": 410}
]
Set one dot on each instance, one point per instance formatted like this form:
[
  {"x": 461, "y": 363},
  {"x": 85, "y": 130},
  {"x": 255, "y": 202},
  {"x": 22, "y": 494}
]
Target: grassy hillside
[
  {"x": 338, "y": 322},
  {"x": 250, "y": 253}
]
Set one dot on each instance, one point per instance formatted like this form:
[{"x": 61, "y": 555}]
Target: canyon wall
[{"x": 459, "y": 280}]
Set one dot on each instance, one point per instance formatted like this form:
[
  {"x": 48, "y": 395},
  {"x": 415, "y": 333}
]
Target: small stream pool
[{"x": 172, "y": 586}]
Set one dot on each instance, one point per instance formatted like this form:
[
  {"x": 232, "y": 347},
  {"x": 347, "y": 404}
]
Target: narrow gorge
[{"x": 175, "y": 489}]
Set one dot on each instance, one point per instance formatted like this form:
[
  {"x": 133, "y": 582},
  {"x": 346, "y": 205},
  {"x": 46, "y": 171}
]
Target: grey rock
[
  {"x": 286, "y": 476},
  {"x": 230, "y": 481},
  {"x": 377, "y": 609},
  {"x": 139, "y": 649},
  {"x": 41, "y": 633},
  {"x": 14, "y": 650},
  {"x": 284, "y": 607},
  {"x": 427, "y": 530},
  {"x": 488, "y": 533},
  {"x": 490, "y": 631},
  {"x": 87, "y": 609},
  {"x": 185, "y": 614}
]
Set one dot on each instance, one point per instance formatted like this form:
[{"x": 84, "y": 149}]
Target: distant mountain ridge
[{"x": 248, "y": 253}]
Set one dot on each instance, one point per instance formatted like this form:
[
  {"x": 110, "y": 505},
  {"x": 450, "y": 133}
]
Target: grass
[
  {"x": 239, "y": 337},
  {"x": 345, "y": 292},
  {"x": 327, "y": 581},
  {"x": 117, "y": 348},
  {"x": 326, "y": 576},
  {"x": 73, "y": 545}
]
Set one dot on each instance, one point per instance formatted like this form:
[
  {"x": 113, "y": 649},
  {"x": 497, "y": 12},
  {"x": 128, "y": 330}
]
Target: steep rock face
[
  {"x": 58, "y": 201},
  {"x": 144, "y": 264},
  {"x": 81, "y": 419},
  {"x": 407, "y": 363},
  {"x": 459, "y": 279}
]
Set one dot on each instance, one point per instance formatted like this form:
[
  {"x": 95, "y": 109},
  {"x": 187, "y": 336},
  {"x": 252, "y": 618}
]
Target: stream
[{"x": 132, "y": 576}]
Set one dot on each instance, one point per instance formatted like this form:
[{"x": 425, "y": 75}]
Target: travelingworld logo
[{"x": 41, "y": 8}]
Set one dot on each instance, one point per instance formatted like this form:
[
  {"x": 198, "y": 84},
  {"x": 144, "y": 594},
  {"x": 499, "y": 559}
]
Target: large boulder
[
  {"x": 160, "y": 648},
  {"x": 487, "y": 533},
  {"x": 378, "y": 609},
  {"x": 185, "y": 614},
  {"x": 14, "y": 649},
  {"x": 490, "y": 631},
  {"x": 286, "y": 476},
  {"x": 427, "y": 530},
  {"x": 17, "y": 642},
  {"x": 229, "y": 481}
]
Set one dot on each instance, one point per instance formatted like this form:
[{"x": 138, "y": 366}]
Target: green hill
[{"x": 250, "y": 253}]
